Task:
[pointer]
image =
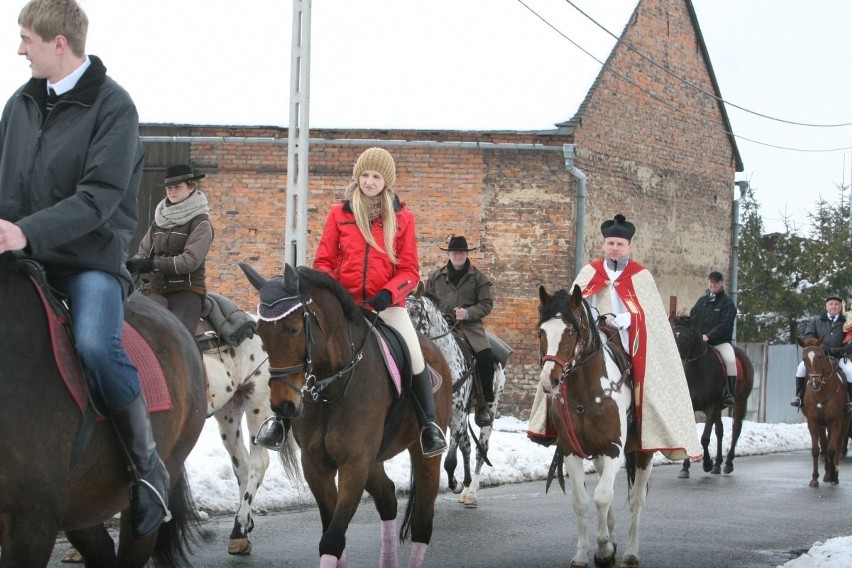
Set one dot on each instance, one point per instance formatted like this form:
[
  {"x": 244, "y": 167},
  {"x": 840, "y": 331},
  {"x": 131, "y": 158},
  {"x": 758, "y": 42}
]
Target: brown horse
[
  {"x": 592, "y": 414},
  {"x": 41, "y": 492},
  {"x": 824, "y": 406},
  {"x": 705, "y": 375},
  {"x": 329, "y": 380}
]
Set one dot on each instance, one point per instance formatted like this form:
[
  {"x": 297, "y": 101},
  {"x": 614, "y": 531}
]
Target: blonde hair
[{"x": 361, "y": 209}]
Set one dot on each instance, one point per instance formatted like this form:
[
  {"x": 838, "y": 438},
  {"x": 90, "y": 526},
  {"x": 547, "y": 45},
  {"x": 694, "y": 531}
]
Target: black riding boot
[
  {"x": 149, "y": 492},
  {"x": 431, "y": 437},
  {"x": 728, "y": 390},
  {"x": 270, "y": 435},
  {"x": 485, "y": 369},
  {"x": 800, "y": 391}
]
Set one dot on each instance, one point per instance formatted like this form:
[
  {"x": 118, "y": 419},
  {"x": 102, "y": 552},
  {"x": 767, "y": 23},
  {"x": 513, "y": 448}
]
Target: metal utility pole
[
  {"x": 735, "y": 245},
  {"x": 296, "y": 230}
]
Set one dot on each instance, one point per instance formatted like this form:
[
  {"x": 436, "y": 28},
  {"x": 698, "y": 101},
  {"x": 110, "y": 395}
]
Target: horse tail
[
  {"x": 175, "y": 538},
  {"x": 630, "y": 467},
  {"x": 405, "y": 529},
  {"x": 289, "y": 457}
]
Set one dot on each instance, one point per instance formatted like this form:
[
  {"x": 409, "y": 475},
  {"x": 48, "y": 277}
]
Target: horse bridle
[
  {"x": 312, "y": 390},
  {"x": 704, "y": 345},
  {"x": 821, "y": 379}
]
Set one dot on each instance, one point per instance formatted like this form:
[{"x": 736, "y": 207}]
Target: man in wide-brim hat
[{"x": 465, "y": 296}]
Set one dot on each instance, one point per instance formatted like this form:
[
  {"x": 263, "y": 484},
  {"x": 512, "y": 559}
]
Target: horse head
[
  {"x": 284, "y": 328},
  {"x": 817, "y": 361},
  {"x": 687, "y": 337},
  {"x": 566, "y": 332}
]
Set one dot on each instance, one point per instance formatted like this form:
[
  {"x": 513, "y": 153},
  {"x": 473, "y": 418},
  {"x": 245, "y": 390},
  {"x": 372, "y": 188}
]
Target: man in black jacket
[
  {"x": 714, "y": 315},
  {"x": 70, "y": 167},
  {"x": 829, "y": 326}
]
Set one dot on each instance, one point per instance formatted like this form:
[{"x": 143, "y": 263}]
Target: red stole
[{"x": 637, "y": 333}]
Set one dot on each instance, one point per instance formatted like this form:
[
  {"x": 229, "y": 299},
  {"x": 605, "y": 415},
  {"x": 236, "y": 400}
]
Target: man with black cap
[
  {"x": 624, "y": 291},
  {"x": 829, "y": 326},
  {"x": 714, "y": 315},
  {"x": 464, "y": 295}
]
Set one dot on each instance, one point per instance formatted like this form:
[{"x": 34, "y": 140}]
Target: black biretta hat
[{"x": 618, "y": 227}]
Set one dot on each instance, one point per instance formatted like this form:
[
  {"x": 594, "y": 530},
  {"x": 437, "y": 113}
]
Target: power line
[
  {"x": 667, "y": 104},
  {"x": 696, "y": 87}
]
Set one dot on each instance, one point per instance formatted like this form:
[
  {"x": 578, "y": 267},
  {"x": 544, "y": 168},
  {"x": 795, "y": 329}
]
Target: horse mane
[
  {"x": 558, "y": 304},
  {"x": 322, "y": 281}
]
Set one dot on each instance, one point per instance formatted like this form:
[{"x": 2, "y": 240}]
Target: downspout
[
  {"x": 568, "y": 151},
  {"x": 735, "y": 244}
]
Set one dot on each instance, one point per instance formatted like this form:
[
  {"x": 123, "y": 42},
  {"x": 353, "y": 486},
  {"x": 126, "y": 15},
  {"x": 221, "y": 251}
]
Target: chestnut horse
[
  {"x": 41, "y": 491},
  {"x": 824, "y": 406},
  {"x": 593, "y": 415},
  {"x": 329, "y": 380},
  {"x": 705, "y": 375}
]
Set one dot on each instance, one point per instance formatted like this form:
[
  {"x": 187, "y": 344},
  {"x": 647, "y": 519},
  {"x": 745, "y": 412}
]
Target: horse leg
[
  {"x": 29, "y": 540},
  {"x": 451, "y": 458},
  {"x": 684, "y": 470},
  {"x": 706, "y": 462},
  {"x": 720, "y": 434},
  {"x": 464, "y": 447},
  {"x": 133, "y": 553},
  {"x": 472, "y": 499},
  {"x": 736, "y": 428},
  {"x": 351, "y": 481},
  {"x": 229, "y": 419},
  {"x": 420, "y": 511},
  {"x": 382, "y": 490},
  {"x": 604, "y": 493},
  {"x": 94, "y": 544},
  {"x": 580, "y": 500},
  {"x": 814, "y": 453},
  {"x": 638, "y": 496}
]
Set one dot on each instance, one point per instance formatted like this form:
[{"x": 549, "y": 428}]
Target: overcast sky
[{"x": 477, "y": 64}]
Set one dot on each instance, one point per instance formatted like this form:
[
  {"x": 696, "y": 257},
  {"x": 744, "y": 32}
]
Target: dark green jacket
[{"x": 474, "y": 292}]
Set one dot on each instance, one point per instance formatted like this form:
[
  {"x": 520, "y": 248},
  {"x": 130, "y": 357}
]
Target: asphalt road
[{"x": 762, "y": 515}]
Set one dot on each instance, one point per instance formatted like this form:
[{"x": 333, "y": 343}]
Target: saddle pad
[{"x": 390, "y": 363}]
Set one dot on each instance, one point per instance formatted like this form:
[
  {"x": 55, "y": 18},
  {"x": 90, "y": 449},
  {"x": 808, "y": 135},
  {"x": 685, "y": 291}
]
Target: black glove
[
  {"x": 139, "y": 265},
  {"x": 380, "y": 301},
  {"x": 838, "y": 352}
]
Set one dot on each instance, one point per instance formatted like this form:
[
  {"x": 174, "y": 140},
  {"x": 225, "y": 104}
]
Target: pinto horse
[
  {"x": 428, "y": 320},
  {"x": 824, "y": 406},
  {"x": 705, "y": 375},
  {"x": 329, "y": 380},
  {"x": 592, "y": 415},
  {"x": 42, "y": 490}
]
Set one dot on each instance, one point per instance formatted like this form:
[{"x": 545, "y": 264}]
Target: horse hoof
[
  {"x": 683, "y": 474},
  {"x": 579, "y": 565},
  {"x": 471, "y": 502},
  {"x": 707, "y": 467},
  {"x": 630, "y": 561},
  {"x": 813, "y": 483},
  {"x": 239, "y": 546},
  {"x": 728, "y": 469},
  {"x": 72, "y": 556},
  {"x": 608, "y": 562},
  {"x": 716, "y": 470}
]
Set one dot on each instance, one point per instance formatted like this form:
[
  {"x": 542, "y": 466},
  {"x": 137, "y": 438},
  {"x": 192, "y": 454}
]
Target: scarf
[
  {"x": 170, "y": 216},
  {"x": 455, "y": 275}
]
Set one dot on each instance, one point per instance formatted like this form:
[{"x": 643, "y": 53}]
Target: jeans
[{"x": 97, "y": 312}]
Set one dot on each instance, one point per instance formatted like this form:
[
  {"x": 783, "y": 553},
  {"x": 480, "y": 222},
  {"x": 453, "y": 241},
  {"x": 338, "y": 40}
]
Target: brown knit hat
[{"x": 378, "y": 160}]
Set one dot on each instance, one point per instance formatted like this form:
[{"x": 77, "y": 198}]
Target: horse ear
[
  {"x": 543, "y": 296},
  {"x": 418, "y": 292},
  {"x": 256, "y": 279},
  {"x": 291, "y": 278},
  {"x": 576, "y": 295}
]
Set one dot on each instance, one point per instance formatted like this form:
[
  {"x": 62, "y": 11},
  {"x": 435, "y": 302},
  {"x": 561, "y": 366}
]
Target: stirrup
[
  {"x": 797, "y": 402},
  {"x": 271, "y": 434},
  {"x": 167, "y": 514},
  {"x": 434, "y": 451}
]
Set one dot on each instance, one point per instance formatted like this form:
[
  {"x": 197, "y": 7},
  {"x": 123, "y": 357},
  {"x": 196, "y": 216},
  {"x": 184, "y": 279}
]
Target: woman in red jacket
[{"x": 368, "y": 245}]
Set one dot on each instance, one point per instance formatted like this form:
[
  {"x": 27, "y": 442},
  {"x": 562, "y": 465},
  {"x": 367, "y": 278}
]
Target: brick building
[{"x": 651, "y": 137}]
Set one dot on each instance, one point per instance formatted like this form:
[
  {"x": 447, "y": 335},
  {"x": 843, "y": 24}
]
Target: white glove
[
  {"x": 622, "y": 321},
  {"x": 546, "y": 384}
]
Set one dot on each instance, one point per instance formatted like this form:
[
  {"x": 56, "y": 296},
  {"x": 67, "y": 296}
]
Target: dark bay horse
[
  {"x": 329, "y": 380},
  {"x": 427, "y": 318},
  {"x": 591, "y": 414},
  {"x": 705, "y": 375},
  {"x": 824, "y": 406},
  {"x": 40, "y": 422}
]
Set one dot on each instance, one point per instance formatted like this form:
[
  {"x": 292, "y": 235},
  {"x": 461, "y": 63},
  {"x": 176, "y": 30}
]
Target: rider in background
[
  {"x": 465, "y": 297},
  {"x": 714, "y": 315},
  {"x": 173, "y": 251},
  {"x": 829, "y": 326},
  {"x": 368, "y": 245}
]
